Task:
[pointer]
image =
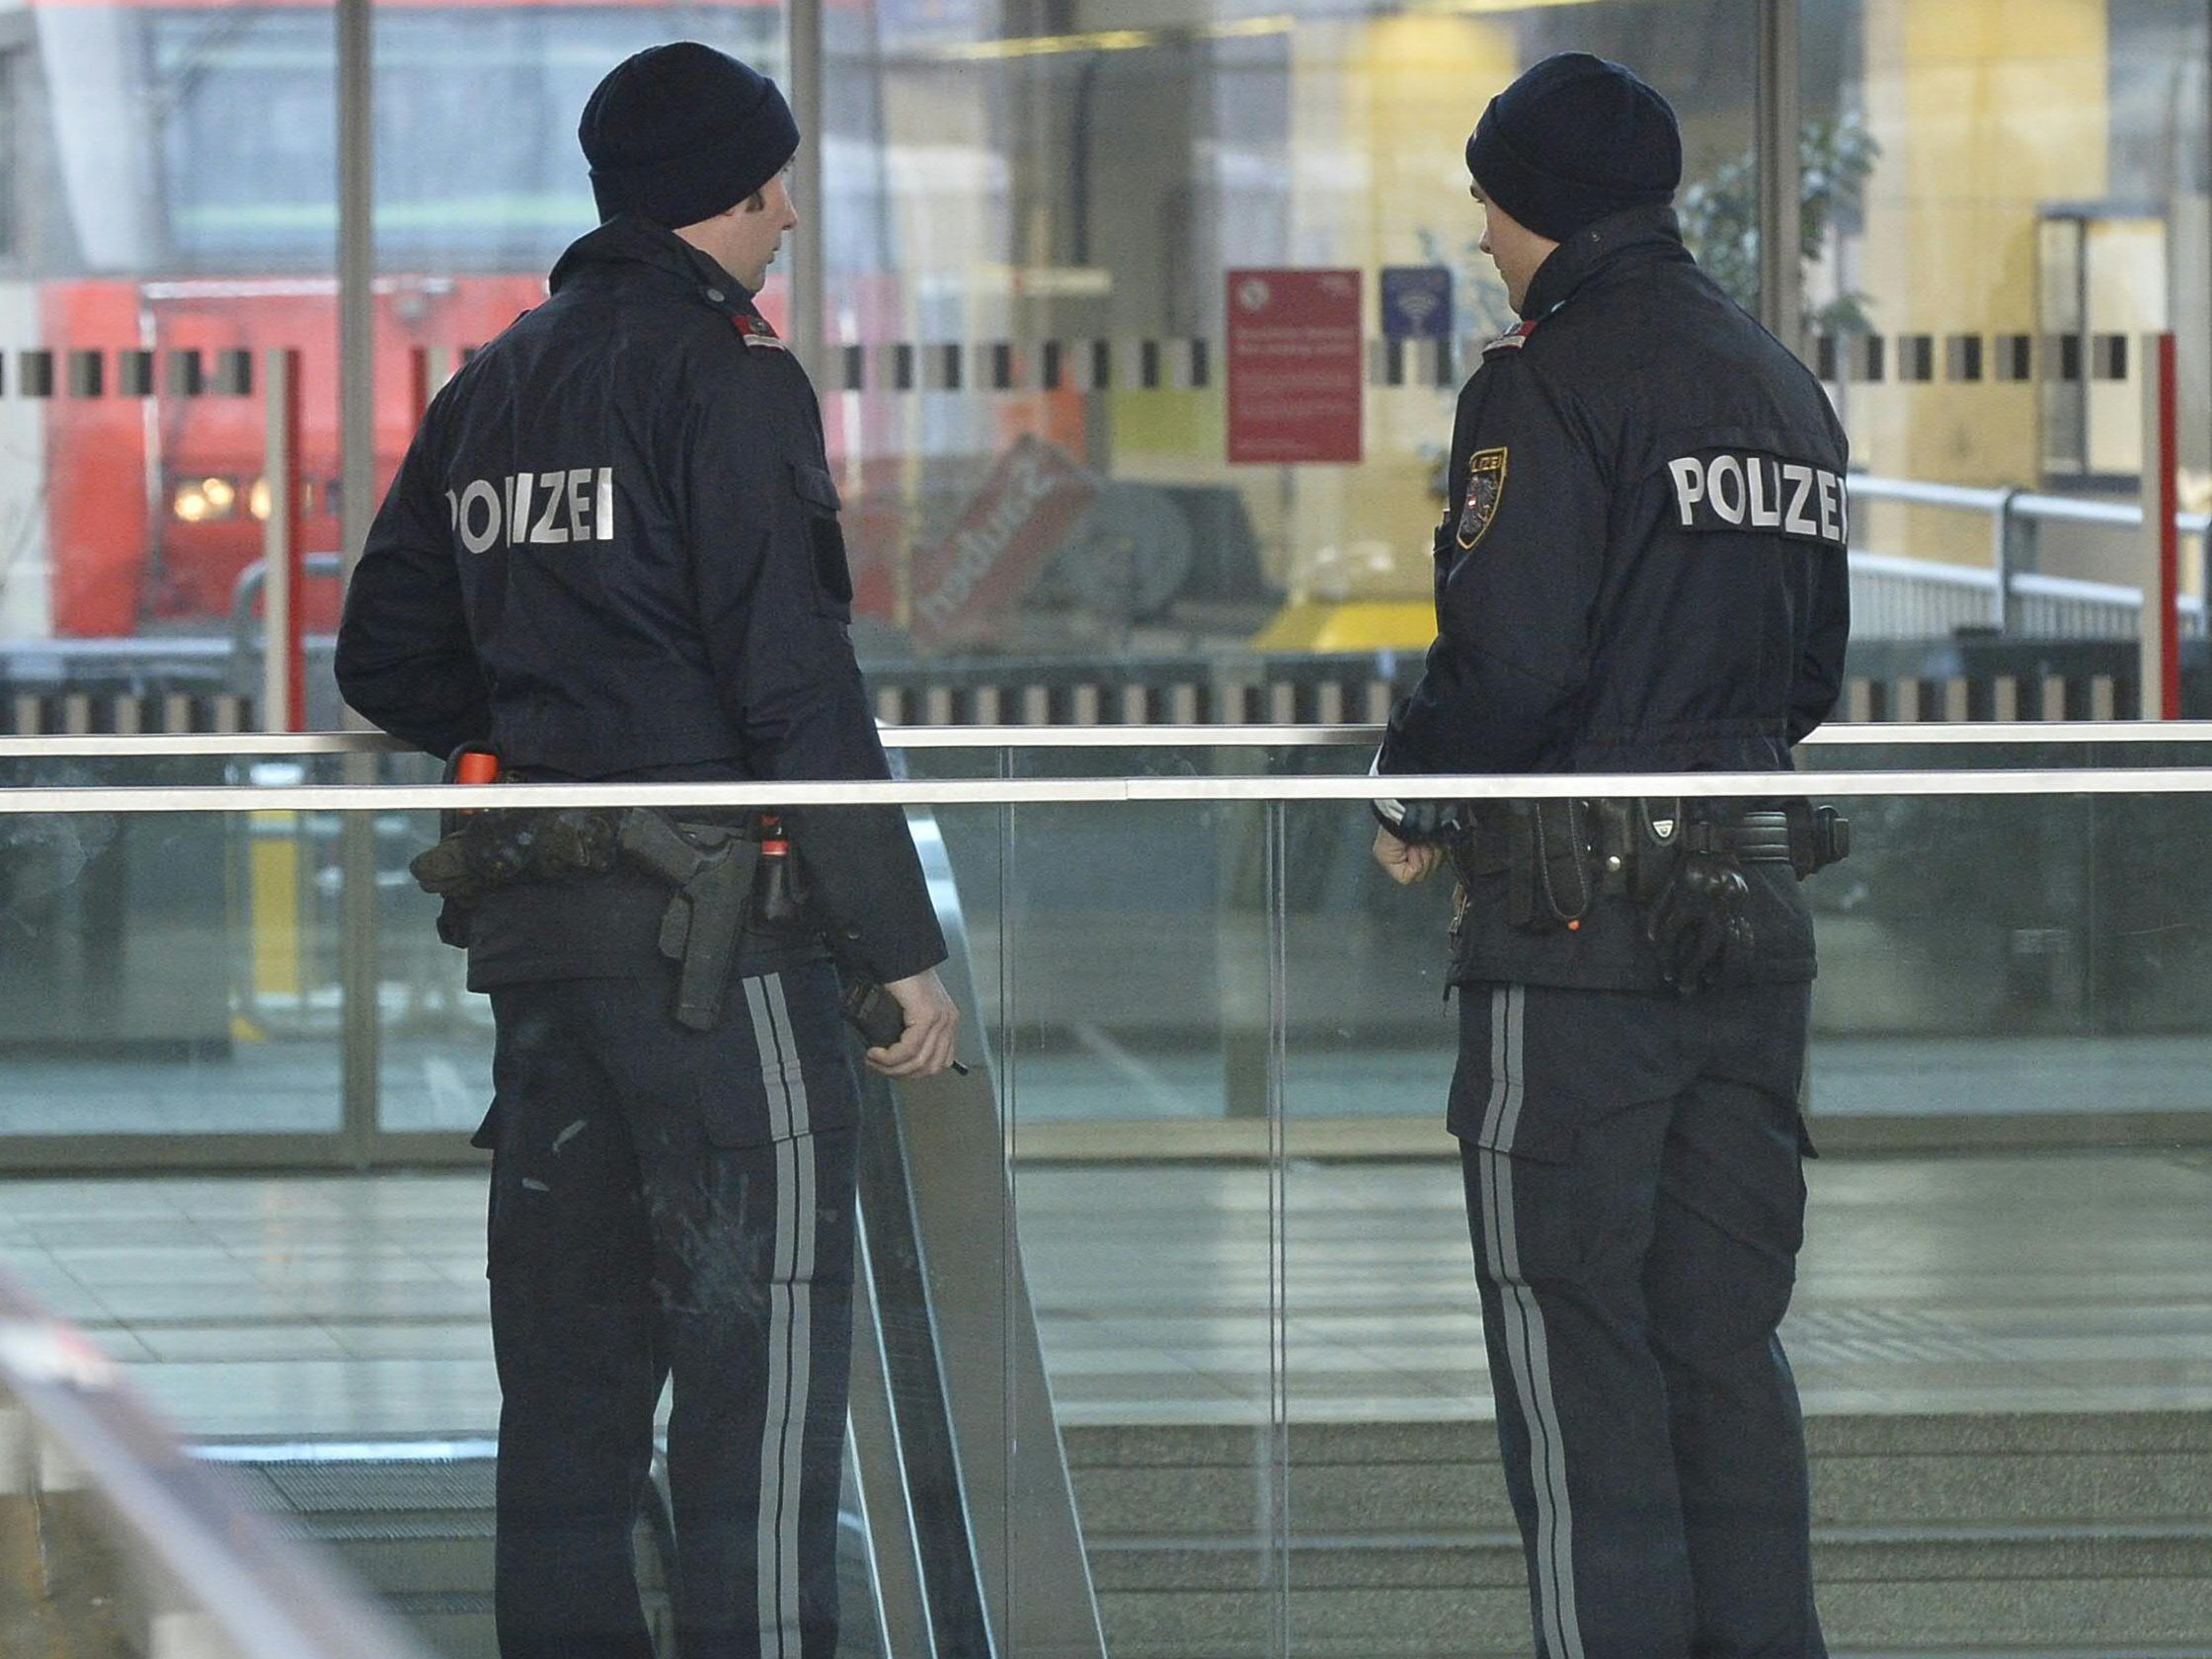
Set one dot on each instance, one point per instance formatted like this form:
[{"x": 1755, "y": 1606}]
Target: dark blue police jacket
[
  {"x": 612, "y": 551},
  {"x": 1640, "y": 567}
]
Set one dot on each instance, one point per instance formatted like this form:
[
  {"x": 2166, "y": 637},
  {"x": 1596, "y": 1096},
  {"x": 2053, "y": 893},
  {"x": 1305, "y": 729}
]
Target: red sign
[
  {"x": 965, "y": 587},
  {"x": 1295, "y": 379}
]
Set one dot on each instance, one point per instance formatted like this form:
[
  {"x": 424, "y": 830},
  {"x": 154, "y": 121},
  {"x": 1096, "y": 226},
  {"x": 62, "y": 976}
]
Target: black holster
[
  {"x": 709, "y": 869},
  {"x": 1551, "y": 870}
]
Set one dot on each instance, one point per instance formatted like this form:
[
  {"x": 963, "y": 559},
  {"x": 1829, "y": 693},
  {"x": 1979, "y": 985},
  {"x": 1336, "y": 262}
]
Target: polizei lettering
[
  {"x": 543, "y": 509},
  {"x": 1761, "y": 494}
]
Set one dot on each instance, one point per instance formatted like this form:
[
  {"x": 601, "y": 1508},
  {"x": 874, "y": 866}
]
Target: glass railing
[
  {"x": 281, "y": 973},
  {"x": 1167, "y": 1322}
]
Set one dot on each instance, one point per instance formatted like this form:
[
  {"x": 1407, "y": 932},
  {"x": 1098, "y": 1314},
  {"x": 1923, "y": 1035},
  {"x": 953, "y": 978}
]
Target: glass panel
[
  {"x": 1256, "y": 1349},
  {"x": 434, "y": 1035},
  {"x": 1138, "y": 989},
  {"x": 153, "y": 248},
  {"x": 332, "y": 1332},
  {"x": 168, "y": 974},
  {"x": 1984, "y": 272},
  {"x": 1035, "y": 216},
  {"x": 469, "y": 222},
  {"x": 1979, "y": 1283}
]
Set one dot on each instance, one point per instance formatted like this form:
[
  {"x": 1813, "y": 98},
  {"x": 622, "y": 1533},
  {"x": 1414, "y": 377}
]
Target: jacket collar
[
  {"x": 1636, "y": 236},
  {"x": 629, "y": 242}
]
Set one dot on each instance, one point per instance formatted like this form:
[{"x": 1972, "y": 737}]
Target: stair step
[
  {"x": 1868, "y": 1470},
  {"x": 1486, "y": 1560},
  {"x": 1999, "y": 1537},
  {"x": 1390, "y": 1622},
  {"x": 451, "y": 1625},
  {"x": 454, "y": 1555}
]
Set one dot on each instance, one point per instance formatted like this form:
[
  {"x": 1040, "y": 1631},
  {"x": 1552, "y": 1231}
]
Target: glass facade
[
  {"x": 1076, "y": 185},
  {"x": 1030, "y": 219},
  {"x": 2033, "y": 181}
]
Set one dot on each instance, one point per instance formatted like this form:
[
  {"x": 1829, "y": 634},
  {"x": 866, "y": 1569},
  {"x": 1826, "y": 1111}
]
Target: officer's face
[
  {"x": 1517, "y": 251},
  {"x": 756, "y": 233}
]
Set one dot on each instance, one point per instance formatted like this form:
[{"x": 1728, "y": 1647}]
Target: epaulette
[
  {"x": 753, "y": 330},
  {"x": 1511, "y": 341}
]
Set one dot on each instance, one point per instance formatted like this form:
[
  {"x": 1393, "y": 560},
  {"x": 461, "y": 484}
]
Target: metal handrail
[
  {"x": 2022, "y": 504},
  {"x": 2004, "y": 505},
  {"x": 245, "y": 746},
  {"x": 943, "y": 792},
  {"x": 250, "y": 1592}
]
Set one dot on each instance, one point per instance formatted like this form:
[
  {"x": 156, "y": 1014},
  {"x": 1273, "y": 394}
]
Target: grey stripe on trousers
[
  {"x": 1525, "y": 1340},
  {"x": 790, "y": 1299}
]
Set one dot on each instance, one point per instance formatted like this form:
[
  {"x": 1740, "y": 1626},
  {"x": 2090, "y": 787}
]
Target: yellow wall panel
[{"x": 1986, "y": 111}]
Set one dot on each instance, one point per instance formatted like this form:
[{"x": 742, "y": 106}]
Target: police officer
[
  {"x": 1641, "y": 569},
  {"x": 614, "y": 553}
]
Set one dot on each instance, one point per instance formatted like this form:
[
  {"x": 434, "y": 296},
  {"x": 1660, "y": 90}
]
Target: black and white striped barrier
[
  {"x": 78, "y": 714},
  {"x": 131, "y": 373},
  {"x": 1916, "y": 359},
  {"x": 1179, "y": 363},
  {"x": 1353, "y": 696},
  {"x": 1164, "y": 363}
]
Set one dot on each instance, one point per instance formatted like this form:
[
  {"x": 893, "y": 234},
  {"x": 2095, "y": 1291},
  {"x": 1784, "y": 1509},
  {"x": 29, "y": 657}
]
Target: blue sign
[{"x": 1416, "y": 302}]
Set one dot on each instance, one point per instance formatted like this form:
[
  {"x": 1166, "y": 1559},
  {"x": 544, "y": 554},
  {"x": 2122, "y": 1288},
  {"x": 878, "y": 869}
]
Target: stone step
[
  {"x": 1490, "y": 1561},
  {"x": 2057, "y": 1536},
  {"x": 2085, "y": 1594},
  {"x": 1868, "y": 1470},
  {"x": 451, "y": 1625},
  {"x": 2140, "y": 1618},
  {"x": 451, "y": 1554}
]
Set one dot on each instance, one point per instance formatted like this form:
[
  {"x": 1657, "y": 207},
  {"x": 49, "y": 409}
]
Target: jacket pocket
[{"x": 825, "y": 539}]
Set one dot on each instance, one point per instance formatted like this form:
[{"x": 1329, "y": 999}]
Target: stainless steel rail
[
  {"x": 2020, "y": 504},
  {"x": 1697, "y": 786},
  {"x": 2062, "y": 606},
  {"x": 204, "y": 1577},
  {"x": 277, "y": 745}
]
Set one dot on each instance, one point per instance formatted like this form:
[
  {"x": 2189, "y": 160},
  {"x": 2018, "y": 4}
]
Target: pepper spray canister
[{"x": 775, "y": 890}]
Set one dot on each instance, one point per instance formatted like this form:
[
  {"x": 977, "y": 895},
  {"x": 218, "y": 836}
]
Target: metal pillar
[
  {"x": 356, "y": 425},
  {"x": 357, "y": 274},
  {"x": 283, "y": 698},
  {"x": 2159, "y": 657},
  {"x": 811, "y": 241},
  {"x": 1779, "y": 115}
]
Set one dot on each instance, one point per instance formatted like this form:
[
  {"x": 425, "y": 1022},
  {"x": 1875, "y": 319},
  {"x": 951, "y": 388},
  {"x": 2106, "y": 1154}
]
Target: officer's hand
[
  {"x": 925, "y": 1047},
  {"x": 1407, "y": 863}
]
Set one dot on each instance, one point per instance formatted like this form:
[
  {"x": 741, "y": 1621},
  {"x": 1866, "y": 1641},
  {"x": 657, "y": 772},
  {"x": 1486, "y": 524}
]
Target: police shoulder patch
[
  {"x": 1511, "y": 341},
  {"x": 754, "y": 329},
  {"x": 1486, "y": 490}
]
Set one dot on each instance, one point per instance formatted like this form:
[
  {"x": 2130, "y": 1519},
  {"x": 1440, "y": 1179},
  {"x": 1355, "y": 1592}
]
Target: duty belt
[
  {"x": 1558, "y": 856},
  {"x": 709, "y": 867}
]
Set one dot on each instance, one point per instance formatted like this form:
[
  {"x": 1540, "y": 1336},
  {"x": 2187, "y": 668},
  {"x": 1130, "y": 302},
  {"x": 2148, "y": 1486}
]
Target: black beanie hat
[
  {"x": 681, "y": 132},
  {"x": 1573, "y": 140}
]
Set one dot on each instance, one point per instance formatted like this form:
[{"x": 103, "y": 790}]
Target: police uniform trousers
[
  {"x": 1636, "y": 1200},
  {"x": 671, "y": 1203}
]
